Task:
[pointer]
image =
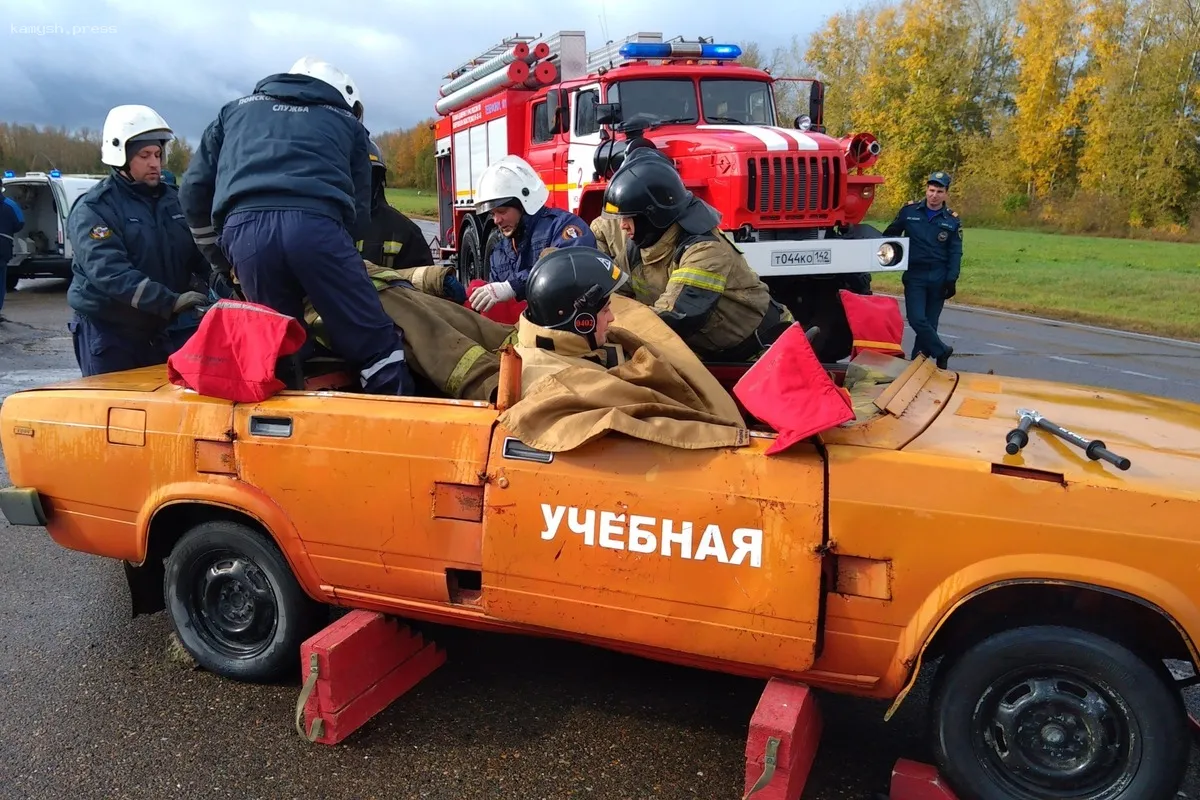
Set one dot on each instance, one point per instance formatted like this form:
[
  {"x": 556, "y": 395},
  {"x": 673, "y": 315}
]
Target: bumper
[
  {"x": 42, "y": 267},
  {"x": 22, "y": 507}
]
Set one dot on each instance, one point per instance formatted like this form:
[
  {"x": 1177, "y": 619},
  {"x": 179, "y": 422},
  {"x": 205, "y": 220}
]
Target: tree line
[
  {"x": 1071, "y": 115},
  {"x": 30, "y": 148}
]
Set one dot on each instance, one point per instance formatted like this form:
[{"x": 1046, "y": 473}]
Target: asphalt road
[{"x": 99, "y": 706}]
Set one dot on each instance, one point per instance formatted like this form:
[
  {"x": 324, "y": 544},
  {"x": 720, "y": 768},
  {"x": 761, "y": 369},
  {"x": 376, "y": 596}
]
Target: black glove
[{"x": 950, "y": 289}]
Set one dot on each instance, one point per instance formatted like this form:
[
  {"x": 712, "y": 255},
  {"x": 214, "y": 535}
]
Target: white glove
[{"x": 489, "y": 294}]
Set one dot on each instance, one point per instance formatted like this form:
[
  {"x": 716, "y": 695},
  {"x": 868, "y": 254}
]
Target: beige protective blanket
[{"x": 662, "y": 393}]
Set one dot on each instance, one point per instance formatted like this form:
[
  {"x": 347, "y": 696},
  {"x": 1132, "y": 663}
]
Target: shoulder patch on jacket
[
  {"x": 571, "y": 232},
  {"x": 954, "y": 214},
  {"x": 100, "y": 232}
]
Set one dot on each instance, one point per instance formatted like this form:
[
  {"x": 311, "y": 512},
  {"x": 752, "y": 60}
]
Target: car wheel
[
  {"x": 1055, "y": 712},
  {"x": 234, "y": 602},
  {"x": 471, "y": 265}
]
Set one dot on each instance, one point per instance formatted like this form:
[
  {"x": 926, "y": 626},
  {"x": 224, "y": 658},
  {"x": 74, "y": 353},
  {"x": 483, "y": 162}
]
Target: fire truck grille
[{"x": 779, "y": 184}]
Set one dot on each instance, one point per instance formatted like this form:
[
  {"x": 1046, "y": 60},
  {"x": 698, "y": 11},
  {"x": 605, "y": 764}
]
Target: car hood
[{"x": 1160, "y": 436}]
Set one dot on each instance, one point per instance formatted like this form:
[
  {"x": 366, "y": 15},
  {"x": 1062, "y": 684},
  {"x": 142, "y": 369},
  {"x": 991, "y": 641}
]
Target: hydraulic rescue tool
[{"x": 1018, "y": 437}]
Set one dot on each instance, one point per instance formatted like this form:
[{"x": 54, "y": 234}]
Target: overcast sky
[{"x": 66, "y": 62}]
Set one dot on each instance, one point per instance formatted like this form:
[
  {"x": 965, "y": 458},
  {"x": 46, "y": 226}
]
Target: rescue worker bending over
[
  {"x": 685, "y": 268},
  {"x": 282, "y": 181},
  {"x": 134, "y": 259},
  {"x": 392, "y": 241},
  {"x": 516, "y": 197}
]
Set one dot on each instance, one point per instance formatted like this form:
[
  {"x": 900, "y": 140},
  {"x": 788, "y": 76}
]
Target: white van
[{"x": 41, "y": 248}]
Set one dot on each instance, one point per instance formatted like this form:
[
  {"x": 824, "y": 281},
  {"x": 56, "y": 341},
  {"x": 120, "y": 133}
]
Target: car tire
[
  {"x": 471, "y": 265},
  {"x": 1056, "y": 712},
  {"x": 235, "y": 604}
]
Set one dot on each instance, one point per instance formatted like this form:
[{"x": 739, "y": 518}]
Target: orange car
[{"x": 1051, "y": 586}]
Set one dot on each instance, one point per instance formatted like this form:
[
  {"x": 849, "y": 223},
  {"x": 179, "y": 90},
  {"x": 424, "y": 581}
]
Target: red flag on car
[
  {"x": 875, "y": 323},
  {"x": 232, "y": 354},
  {"x": 788, "y": 389}
]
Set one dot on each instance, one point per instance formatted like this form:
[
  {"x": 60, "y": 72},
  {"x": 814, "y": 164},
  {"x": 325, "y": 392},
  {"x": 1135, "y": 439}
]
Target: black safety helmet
[
  {"x": 648, "y": 188},
  {"x": 568, "y": 287},
  {"x": 377, "y": 162}
]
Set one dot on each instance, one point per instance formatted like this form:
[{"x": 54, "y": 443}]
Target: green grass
[
  {"x": 411, "y": 203},
  {"x": 1144, "y": 286}
]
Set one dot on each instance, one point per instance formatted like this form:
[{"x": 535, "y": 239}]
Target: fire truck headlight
[
  {"x": 890, "y": 254},
  {"x": 802, "y": 122}
]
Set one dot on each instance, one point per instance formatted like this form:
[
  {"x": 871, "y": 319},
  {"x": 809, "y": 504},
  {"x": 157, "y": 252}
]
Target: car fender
[
  {"x": 233, "y": 494},
  {"x": 962, "y": 586}
]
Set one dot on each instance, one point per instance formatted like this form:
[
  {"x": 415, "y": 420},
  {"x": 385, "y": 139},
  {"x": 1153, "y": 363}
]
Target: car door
[
  {"x": 585, "y": 138},
  {"x": 547, "y": 152},
  {"x": 714, "y": 553},
  {"x": 384, "y": 492}
]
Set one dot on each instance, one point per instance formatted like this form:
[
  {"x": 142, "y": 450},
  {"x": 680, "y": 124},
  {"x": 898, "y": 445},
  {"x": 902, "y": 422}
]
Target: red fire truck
[{"x": 792, "y": 199}]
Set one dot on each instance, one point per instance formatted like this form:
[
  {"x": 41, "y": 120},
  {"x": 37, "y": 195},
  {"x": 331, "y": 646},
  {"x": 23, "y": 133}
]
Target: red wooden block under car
[
  {"x": 788, "y": 722},
  {"x": 364, "y": 662}
]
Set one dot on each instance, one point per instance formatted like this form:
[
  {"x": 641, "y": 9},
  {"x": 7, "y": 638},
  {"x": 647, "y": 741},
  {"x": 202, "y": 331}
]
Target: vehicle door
[
  {"x": 585, "y": 138},
  {"x": 62, "y": 207},
  {"x": 712, "y": 552},
  {"x": 547, "y": 152},
  {"x": 384, "y": 492}
]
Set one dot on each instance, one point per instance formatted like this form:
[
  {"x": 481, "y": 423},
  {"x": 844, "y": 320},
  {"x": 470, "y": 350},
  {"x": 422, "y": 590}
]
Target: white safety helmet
[
  {"x": 126, "y": 124},
  {"x": 314, "y": 67},
  {"x": 511, "y": 178}
]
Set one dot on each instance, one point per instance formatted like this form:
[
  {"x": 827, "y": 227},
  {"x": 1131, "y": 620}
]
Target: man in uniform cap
[{"x": 935, "y": 255}]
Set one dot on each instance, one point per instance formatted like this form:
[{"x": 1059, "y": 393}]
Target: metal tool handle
[
  {"x": 1018, "y": 437},
  {"x": 1096, "y": 451}
]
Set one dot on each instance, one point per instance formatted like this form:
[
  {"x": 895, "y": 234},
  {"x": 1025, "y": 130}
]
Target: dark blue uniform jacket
[
  {"x": 935, "y": 245},
  {"x": 133, "y": 253},
  {"x": 292, "y": 144},
  {"x": 550, "y": 227}
]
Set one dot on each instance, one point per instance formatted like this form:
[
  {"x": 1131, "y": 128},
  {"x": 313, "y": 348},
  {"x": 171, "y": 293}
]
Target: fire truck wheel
[
  {"x": 234, "y": 602},
  {"x": 1055, "y": 711},
  {"x": 471, "y": 265}
]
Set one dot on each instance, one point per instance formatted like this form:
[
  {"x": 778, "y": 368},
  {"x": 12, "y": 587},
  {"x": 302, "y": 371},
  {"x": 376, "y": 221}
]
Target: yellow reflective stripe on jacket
[
  {"x": 640, "y": 287},
  {"x": 359, "y": 245},
  {"x": 382, "y": 278},
  {"x": 868, "y": 344},
  {"x": 392, "y": 247},
  {"x": 701, "y": 279},
  {"x": 459, "y": 373}
]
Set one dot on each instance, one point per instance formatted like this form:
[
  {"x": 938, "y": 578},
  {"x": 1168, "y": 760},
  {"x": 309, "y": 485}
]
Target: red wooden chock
[{"x": 354, "y": 669}]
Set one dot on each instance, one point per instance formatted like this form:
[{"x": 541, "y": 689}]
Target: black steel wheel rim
[
  {"x": 1054, "y": 732},
  {"x": 232, "y": 604}
]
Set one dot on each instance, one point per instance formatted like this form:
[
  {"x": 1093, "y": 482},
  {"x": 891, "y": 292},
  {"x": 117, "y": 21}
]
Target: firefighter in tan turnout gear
[
  {"x": 449, "y": 345},
  {"x": 685, "y": 268}
]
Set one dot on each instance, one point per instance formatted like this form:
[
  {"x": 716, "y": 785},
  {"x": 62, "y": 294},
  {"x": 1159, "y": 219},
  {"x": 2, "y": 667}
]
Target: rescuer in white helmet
[
  {"x": 281, "y": 181},
  {"x": 513, "y": 194},
  {"x": 135, "y": 267}
]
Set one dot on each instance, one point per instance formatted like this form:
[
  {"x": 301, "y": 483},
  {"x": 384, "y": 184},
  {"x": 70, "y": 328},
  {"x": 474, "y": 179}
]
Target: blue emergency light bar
[
  {"x": 8, "y": 173},
  {"x": 718, "y": 52},
  {"x": 55, "y": 173}
]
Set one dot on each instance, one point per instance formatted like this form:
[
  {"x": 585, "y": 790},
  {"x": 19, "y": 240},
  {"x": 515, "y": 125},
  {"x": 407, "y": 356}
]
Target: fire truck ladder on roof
[{"x": 487, "y": 55}]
